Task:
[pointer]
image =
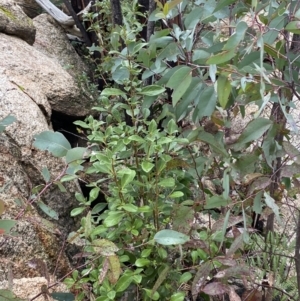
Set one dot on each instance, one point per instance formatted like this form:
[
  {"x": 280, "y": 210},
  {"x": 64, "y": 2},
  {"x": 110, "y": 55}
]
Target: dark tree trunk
[
  {"x": 144, "y": 8},
  {"x": 151, "y": 24},
  {"x": 116, "y": 12},
  {"x": 78, "y": 23}
]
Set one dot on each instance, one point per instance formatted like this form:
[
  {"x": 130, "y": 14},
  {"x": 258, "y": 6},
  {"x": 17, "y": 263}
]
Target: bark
[
  {"x": 151, "y": 24},
  {"x": 279, "y": 118},
  {"x": 297, "y": 253},
  {"x": 116, "y": 12},
  {"x": 295, "y": 47}
]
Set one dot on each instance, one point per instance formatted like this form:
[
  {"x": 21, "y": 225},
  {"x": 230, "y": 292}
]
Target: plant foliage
[{"x": 163, "y": 149}]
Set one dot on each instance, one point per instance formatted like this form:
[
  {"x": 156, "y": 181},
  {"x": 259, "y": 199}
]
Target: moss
[
  {"x": 10, "y": 15},
  {"x": 7, "y": 13},
  {"x": 21, "y": 88}
]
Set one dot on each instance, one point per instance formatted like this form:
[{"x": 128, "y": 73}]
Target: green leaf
[
  {"x": 274, "y": 52},
  {"x": 215, "y": 145},
  {"x": 297, "y": 14},
  {"x": 206, "y": 101},
  {"x": 77, "y": 211},
  {"x": 76, "y": 153},
  {"x": 127, "y": 176},
  {"x": 146, "y": 253},
  {"x": 80, "y": 197},
  {"x": 237, "y": 37},
  {"x": 130, "y": 208},
  {"x": 46, "y": 209},
  {"x": 172, "y": 127},
  {"x": 74, "y": 167},
  {"x": 149, "y": 294},
  {"x": 275, "y": 26},
  {"x": 94, "y": 193},
  {"x": 63, "y": 296},
  {"x": 104, "y": 168},
  {"x": 270, "y": 202},
  {"x": 123, "y": 283},
  {"x": 253, "y": 131},
  {"x": 138, "y": 47},
  {"x": 61, "y": 186},
  {"x": 120, "y": 74},
  {"x": 145, "y": 209},
  {"x": 46, "y": 174},
  {"x": 6, "y": 225},
  {"x": 223, "y": 90},
  {"x": 141, "y": 262},
  {"x": 221, "y": 57},
  {"x": 168, "y": 182},
  {"x": 136, "y": 138},
  {"x": 245, "y": 164},
  {"x": 152, "y": 126},
  {"x": 147, "y": 166},
  {"x": 68, "y": 178},
  {"x": 180, "y": 296},
  {"x": 223, "y": 3},
  {"x": 6, "y": 122},
  {"x": 170, "y": 52},
  {"x": 170, "y": 237},
  {"x": 81, "y": 124},
  {"x": 216, "y": 201},
  {"x": 113, "y": 92},
  {"x": 152, "y": 90},
  {"x": 7, "y": 295},
  {"x": 54, "y": 142},
  {"x": 257, "y": 203},
  {"x": 111, "y": 295},
  {"x": 113, "y": 218},
  {"x": 161, "y": 278},
  {"x": 178, "y": 76},
  {"x": 99, "y": 208},
  {"x": 181, "y": 89},
  {"x": 200, "y": 56},
  {"x": 185, "y": 277},
  {"x": 192, "y": 19},
  {"x": 176, "y": 194}
]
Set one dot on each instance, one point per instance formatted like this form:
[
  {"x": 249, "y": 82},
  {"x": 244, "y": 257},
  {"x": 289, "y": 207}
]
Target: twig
[
  {"x": 297, "y": 253},
  {"x": 42, "y": 191}
]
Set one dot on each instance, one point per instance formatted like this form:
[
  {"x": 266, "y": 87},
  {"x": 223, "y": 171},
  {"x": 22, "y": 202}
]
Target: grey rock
[
  {"x": 41, "y": 78},
  {"x": 13, "y": 21}
]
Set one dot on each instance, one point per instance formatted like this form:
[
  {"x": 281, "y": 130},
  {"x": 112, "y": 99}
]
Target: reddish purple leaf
[
  {"x": 200, "y": 279},
  {"x": 215, "y": 288}
]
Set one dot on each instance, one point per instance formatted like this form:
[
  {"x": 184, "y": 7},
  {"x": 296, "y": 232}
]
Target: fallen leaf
[
  {"x": 252, "y": 295},
  {"x": 233, "y": 296}
]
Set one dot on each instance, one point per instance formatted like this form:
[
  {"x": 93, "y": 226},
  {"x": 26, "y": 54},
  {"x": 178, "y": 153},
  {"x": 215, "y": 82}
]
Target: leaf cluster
[{"x": 172, "y": 164}]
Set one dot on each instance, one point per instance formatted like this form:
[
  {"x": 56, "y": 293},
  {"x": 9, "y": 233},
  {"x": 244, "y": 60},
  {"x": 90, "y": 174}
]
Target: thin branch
[
  {"x": 297, "y": 253},
  {"x": 56, "y": 13},
  {"x": 78, "y": 23}
]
